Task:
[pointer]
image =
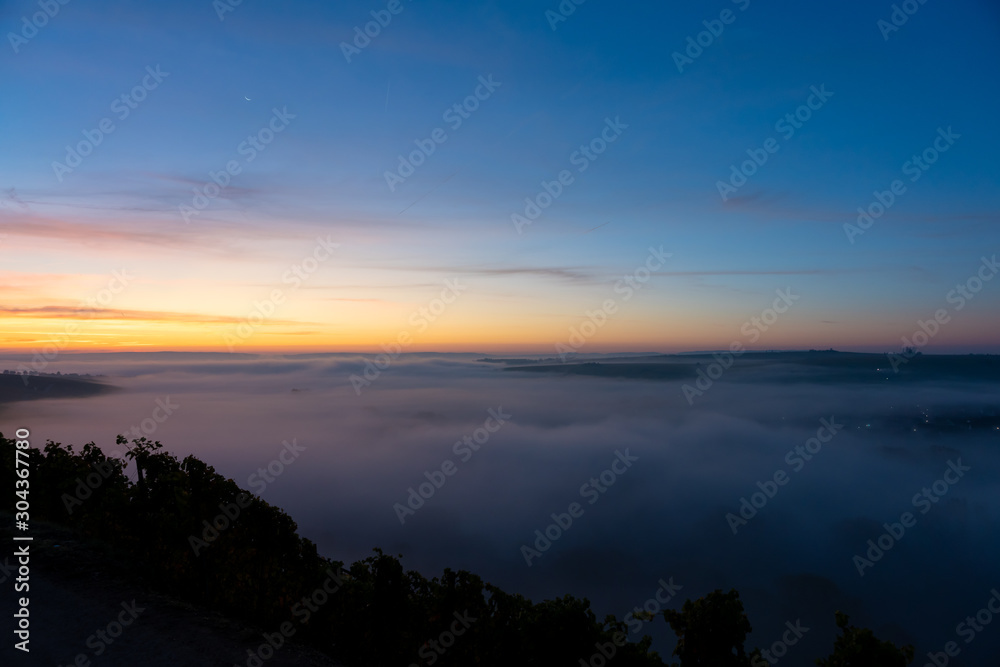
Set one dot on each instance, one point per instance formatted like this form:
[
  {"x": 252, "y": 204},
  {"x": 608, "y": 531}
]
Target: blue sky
[{"x": 655, "y": 185}]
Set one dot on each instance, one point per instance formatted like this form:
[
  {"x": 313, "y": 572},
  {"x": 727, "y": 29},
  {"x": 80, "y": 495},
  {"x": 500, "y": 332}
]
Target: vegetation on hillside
[{"x": 194, "y": 534}]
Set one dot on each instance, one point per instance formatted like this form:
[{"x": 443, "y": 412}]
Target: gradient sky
[{"x": 193, "y": 283}]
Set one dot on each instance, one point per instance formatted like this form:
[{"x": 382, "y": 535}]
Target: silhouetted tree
[
  {"x": 190, "y": 532},
  {"x": 859, "y": 647},
  {"x": 711, "y": 631},
  {"x": 140, "y": 451}
]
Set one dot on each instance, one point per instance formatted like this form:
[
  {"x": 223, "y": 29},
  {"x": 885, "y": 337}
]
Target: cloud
[
  {"x": 570, "y": 273},
  {"x": 77, "y": 313},
  {"x": 759, "y": 272},
  {"x": 90, "y": 232}
]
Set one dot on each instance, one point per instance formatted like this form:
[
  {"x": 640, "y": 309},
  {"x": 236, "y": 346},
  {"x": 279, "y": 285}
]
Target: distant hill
[
  {"x": 26, "y": 388},
  {"x": 813, "y": 366}
]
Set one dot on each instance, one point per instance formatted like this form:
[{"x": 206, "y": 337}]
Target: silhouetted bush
[
  {"x": 859, "y": 647},
  {"x": 178, "y": 524},
  {"x": 192, "y": 533},
  {"x": 711, "y": 631}
]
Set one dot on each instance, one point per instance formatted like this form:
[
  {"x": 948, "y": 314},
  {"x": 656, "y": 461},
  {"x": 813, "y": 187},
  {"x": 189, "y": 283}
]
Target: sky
[{"x": 358, "y": 209}]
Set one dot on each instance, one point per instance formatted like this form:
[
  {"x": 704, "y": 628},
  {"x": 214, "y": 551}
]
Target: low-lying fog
[{"x": 665, "y": 514}]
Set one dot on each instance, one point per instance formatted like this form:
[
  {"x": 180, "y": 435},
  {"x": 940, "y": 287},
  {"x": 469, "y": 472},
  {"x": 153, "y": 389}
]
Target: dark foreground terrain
[{"x": 79, "y": 588}]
